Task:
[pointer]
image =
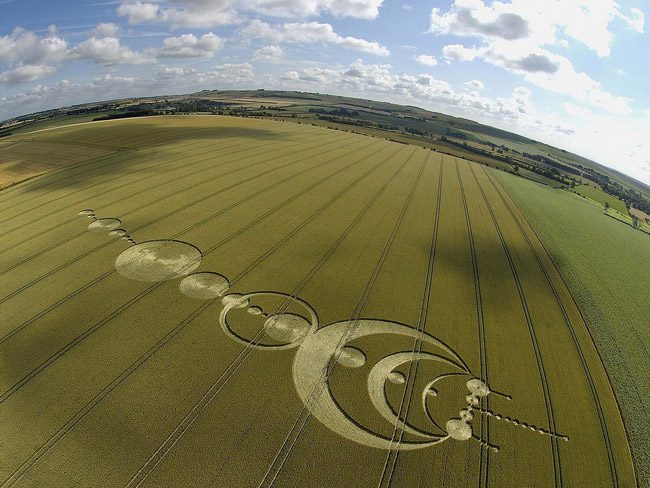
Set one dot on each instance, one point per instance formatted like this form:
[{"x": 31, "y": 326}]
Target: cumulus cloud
[
  {"x": 458, "y": 52},
  {"x": 29, "y": 48},
  {"x": 190, "y": 46},
  {"x": 270, "y": 54},
  {"x": 534, "y": 63},
  {"x": 229, "y": 74},
  {"x": 465, "y": 20},
  {"x": 105, "y": 29},
  {"x": 310, "y": 33},
  {"x": 28, "y": 56},
  {"x": 171, "y": 73},
  {"x": 426, "y": 60},
  {"x": 25, "y": 73},
  {"x": 138, "y": 12},
  {"x": 107, "y": 51},
  {"x": 503, "y": 41},
  {"x": 476, "y": 84},
  {"x": 536, "y": 23},
  {"x": 210, "y": 13}
]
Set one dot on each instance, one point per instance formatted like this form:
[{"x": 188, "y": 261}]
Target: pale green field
[
  {"x": 110, "y": 381},
  {"x": 539, "y": 178},
  {"x": 605, "y": 265},
  {"x": 599, "y": 196}
]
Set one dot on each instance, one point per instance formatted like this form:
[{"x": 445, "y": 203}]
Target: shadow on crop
[{"x": 133, "y": 142}]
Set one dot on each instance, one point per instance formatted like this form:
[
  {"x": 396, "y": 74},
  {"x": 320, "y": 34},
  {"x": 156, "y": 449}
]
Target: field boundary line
[
  {"x": 603, "y": 423},
  {"x": 533, "y": 335},
  {"x": 484, "y": 467},
  {"x": 392, "y": 457}
]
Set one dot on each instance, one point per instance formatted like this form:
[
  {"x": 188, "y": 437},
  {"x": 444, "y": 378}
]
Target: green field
[
  {"x": 599, "y": 196},
  {"x": 627, "y": 219},
  {"x": 605, "y": 265},
  {"x": 539, "y": 178},
  {"x": 287, "y": 305}
]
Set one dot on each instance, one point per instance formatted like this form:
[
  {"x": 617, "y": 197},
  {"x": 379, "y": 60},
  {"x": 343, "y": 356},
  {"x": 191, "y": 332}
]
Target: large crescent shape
[
  {"x": 377, "y": 381},
  {"x": 311, "y": 380}
]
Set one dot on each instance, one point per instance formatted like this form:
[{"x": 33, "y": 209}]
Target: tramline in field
[{"x": 318, "y": 309}]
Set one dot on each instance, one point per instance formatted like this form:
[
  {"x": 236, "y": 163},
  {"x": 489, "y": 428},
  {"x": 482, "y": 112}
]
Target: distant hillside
[{"x": 403, "y": 123}]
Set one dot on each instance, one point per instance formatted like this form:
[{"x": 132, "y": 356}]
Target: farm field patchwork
[
  {"x": 599, "y": 196},
  {"x": 242, "y": 302}
]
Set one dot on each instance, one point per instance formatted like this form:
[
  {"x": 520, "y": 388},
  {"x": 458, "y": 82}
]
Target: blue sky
[{"x": 572, "y": 73}]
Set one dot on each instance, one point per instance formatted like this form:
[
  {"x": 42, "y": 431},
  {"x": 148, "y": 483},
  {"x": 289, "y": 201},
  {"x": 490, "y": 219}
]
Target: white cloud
[
  {"x": 25, "y": 73},
  {"x": 360, "y": 9},
  {"x": 211, "y": 13},
  {"x": 138, "y": 12},
  {"x": 458, "y": 52},
  {"x": 27, "y": 56},
  {"x": 426, "y": 60},
  {"x": 105, "y": 29},
  {"x": 519, "y": 36},
  {"x": 107, "y": 51},
  {"x": 534, "y": 24},
  {"x": 29, "y": 48},
  {"x": 229, "y": 74},
  {"x": 476, "y": 84},
  {"x": 171, "y": 73},
  {"x": 573, "y": 109},
  {"x": 190, "y": 46},
  {"x": 269, "y": 54},
  {"x": 310, "y": 33},
  {"x": 471, "y": 18}
]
